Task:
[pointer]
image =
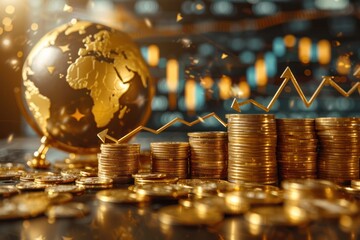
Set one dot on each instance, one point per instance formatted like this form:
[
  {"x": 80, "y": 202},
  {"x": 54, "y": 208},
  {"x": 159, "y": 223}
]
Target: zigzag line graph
[
  {"x": 288, "y": 75},
  {"x": 103, "y": 135}
]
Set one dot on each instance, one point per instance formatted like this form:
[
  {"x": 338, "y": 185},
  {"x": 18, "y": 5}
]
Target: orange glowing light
[
  {"x": 224, "y": 55},
  {"x": 305, "y": 50},
  {"x": 289, "y": 40},
  {"x": 324, "y": 51},
  {"x": 6, "y": 21},
  {"x": 199, "y": 6},
  {"x": 34, "y": 26},
  {"x": 260, "y": 72},
  {"x": 190, "y": 95},
  {"x": 179, "y": 17},
  {"x": 10, "y": 9},
  {"x": 8, "y": 28},
  {"x": 225, "y": 87},
  {"x": 244, "y": 90},
  {"x": 207, "y": 82},
  {"x": 343, "y": 64},
  {"x": 172, "y": 75},
  {"x": 172, "y": 80},
  {"x": 19, "y": 54},
  {"x": 307, "y": 72},
  {"x": 67, "y": 8},
  {"x": 154, "y": 55}
]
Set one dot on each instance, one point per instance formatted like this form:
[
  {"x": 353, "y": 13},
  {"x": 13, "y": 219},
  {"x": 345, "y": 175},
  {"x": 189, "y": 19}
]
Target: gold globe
[{"x": 82, "y": 78}]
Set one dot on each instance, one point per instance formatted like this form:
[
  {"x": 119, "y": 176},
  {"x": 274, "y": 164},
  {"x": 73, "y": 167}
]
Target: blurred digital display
[{"x": 202, "y": 54}]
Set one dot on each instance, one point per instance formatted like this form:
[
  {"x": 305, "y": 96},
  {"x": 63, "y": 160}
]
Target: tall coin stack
[
  {"x": 208, "y": 154},
  {"x": 252, "y": 148},
  {"x": 170, "y": 158},
  {"x": 339, "y": 153},
  {"x": 296, "y": 148},
  {"x": 118, "y": 161}
]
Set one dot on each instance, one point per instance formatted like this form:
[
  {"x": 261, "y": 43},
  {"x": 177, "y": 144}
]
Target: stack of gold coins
[
  {"x": 252, "y": 148},
  {"x": 296, "y": 148},
  {"x": 339, "y": 152},
  {"x": 118, "y": 161},
  {"x": 208, "y": 154},
  {"x": 170, "y": 158}
]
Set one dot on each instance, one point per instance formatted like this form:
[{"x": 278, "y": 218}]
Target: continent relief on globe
[{"x": 82, "y": 78}]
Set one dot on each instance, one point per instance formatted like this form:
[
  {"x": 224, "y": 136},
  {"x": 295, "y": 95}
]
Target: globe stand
[{"x": 39, "y": 159}]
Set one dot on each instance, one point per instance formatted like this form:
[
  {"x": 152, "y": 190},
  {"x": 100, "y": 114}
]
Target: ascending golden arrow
[
  {"x": 103, "y": 135},
  {"x": 288, "y": 75}
]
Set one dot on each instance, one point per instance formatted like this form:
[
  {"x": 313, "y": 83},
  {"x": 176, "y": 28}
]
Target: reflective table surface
[{"x": 120, "y": 221}]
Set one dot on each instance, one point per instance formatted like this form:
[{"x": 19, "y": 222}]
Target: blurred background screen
[{"x": 202, "y": 54}]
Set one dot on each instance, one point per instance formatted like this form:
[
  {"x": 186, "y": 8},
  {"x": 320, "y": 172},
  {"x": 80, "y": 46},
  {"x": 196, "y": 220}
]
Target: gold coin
[
  {"x": 59, "y": 198},
  {"x": 94, "y": 181},
  {"x": 73, "y": 189},
  {"x": 8, "y": 191},
  {"x": 54, "y": 179},
  {"x": 163, "y": 191},
  {"x": 68, "y": 210},
  {"x": 227, "y": 205},
  {"x": 30, "y": 176},
  {"x": 10, "y": 174},
  {"x": 121, "y": 196},
  {"x": 252, "y": 116},
  {"x": 276, "y": 216},
  {"x": 326, "y": 209},
  {"x": 191, "y": 183},
  {"x": 89, "y": 172},
  {"x": 236, "y": 180},
  {"x": 23, "y": 206},
  {"x": 149, "y": 175},
  {"x": 31, "y": 186},
  {"x": 179, "y": 215},
  {"x": 97, "y": 186},
  {"x": 257, "y": 197},
  {"x": 120, "y": 145},
  {"x": 166, "y": 180},
  {"x": 212, "y": 187},
  {"x": 214, "y": 134},
  {"x": 295, "y": 121},
  {"x": 71, "y": 172}
]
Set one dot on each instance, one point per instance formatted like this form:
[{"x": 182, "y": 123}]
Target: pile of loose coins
[
  {"x": 339, "y": 152},
  {"x": 208, "y": 154},
  {"x": 252, "y": 148},
  {"x": 171, "y": 158},
  {"x": 29, "y": 194},
  {"x": 296, "y": 148}
]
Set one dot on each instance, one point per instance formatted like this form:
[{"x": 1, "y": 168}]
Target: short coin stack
[
  {"x": 252, "y": 148},
  {"x": 296, "y": 148},
  {"x": 119, "y": 161},
  {"x": 208, "y": 154},
  {"x": 339, "y": 140},
  {"x": 170, "y": 158}
]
